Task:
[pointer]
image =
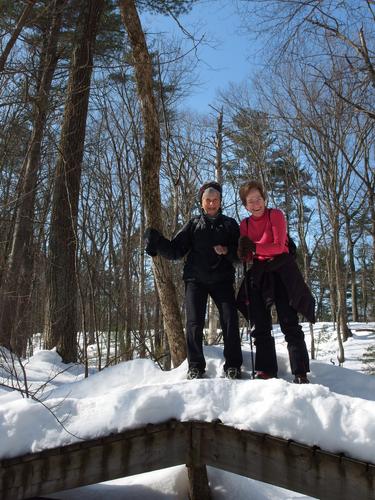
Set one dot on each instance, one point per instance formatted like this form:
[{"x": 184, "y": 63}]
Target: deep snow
[{"x": 336, "y": 411}]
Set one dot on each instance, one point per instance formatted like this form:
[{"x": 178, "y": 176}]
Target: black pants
[
  {"x": 196, "y": 295},
  {"x": 265, "y": 359}
]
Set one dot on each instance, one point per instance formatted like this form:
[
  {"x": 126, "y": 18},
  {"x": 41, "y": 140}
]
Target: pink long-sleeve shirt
[{"x": 268, "y": 232}]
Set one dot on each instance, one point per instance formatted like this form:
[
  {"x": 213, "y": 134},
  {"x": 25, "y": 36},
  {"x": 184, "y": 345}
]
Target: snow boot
[
  {"x": 260, "y": 375},
  {"x": 233, "y": 373},
  {"x": 194, "y": 373},
  {"x": 301, "y": 379}
]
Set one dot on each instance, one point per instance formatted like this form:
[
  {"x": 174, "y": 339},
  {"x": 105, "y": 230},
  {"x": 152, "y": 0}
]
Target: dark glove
[
  {"x": 151, "y": 237},
  {"x": 245, "y": 245}
]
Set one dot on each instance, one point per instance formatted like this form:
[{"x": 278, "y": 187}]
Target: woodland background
[{"x": 95, "y": 146}]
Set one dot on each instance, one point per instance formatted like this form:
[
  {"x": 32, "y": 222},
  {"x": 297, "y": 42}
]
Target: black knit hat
[{"x": 211, "y": 184}]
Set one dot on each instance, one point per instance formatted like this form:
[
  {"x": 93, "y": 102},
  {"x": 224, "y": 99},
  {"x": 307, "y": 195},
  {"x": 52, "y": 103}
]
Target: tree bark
[
  {"x": 352, "y": 270},
  {"x": 342, "y": 318},
  {"x": 62, "y": 310},
  {"x": 150, "y": 168},
  {"x": 305, "y": 256},
  {"x": 213, "y": 312}
]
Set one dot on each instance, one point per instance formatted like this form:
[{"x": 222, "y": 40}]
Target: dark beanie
[{"x": 211, "y": 184}]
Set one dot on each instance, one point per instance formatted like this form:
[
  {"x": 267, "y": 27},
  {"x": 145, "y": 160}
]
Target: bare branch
[{"x": 17, "y": 30}]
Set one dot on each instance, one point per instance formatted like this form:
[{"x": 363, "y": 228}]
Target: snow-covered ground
[{"x": 336, "y": 411}]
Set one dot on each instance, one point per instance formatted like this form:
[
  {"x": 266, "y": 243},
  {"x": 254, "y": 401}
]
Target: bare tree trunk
[
  {"x": 127, "y": 344},
  {"x": 158, "y": 338},
  {"x": 130, "y": 313},
  {"x": 62, "y": 279},
  {"x": 150, "y": 176},
  {"x": 367, "y": 175},
  {"x": 12, "y": 40},
  {"x": 111, "y": 258},
  {"x": 372, "y": 211},
  {"x": 352, "y": 271},
  {"x": 141, "y": 291},
  {"x": 364, "y": 289},
  {"x": 213, "y": 312},
  {"x": 340, "y": 293},
  {"x": 305, "y": 251},
  {"x": 18, "y": 275}
]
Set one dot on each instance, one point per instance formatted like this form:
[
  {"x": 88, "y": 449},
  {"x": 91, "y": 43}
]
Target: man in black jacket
[{"x": 209, "y": 242}]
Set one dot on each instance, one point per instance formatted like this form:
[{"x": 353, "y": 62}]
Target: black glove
[
  {"x": 245, "y": 245},
  {"x": 151, "y": 237}
]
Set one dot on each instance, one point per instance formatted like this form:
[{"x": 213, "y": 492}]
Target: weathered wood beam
[
  {"x": 199, "y": 488},
  {"x": 128, "y": 453},
  {"x": 294, "y": 466},
  {"x": 284, "y": 463}
]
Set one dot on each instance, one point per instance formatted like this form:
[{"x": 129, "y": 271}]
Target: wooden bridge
[{"x": 295, "y": 466}]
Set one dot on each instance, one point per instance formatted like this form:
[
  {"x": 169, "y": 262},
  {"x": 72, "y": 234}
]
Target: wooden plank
[
  {"x": 199, "y": 488},
  {"x": 287, "y": 464},
  {"x": 151, "y": 448}
]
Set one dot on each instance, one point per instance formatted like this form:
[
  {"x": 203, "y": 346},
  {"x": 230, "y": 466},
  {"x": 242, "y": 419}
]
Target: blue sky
[{"x": 227, "y": 58}]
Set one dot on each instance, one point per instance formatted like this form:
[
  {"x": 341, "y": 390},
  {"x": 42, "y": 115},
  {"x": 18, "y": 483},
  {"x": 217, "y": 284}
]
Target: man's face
[{"x": 211, "y": 203}]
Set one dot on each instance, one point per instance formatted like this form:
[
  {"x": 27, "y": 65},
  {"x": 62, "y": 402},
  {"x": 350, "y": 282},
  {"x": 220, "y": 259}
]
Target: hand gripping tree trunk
[
  {"x": 150, "y": 175},
  {"x": 62, "y": 273}
]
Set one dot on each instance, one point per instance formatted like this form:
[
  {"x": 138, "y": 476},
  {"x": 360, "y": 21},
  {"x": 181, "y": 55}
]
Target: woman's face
[
  {"x": 211, "y": 203},
  {"x": 255, "y": 203}
]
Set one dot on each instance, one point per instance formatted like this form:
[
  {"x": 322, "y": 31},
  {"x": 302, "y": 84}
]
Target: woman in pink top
[{"x": 274, "y": 278}]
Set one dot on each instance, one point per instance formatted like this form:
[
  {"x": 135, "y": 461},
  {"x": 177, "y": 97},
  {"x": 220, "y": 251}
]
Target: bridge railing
[{"x": 288, "y": 464}]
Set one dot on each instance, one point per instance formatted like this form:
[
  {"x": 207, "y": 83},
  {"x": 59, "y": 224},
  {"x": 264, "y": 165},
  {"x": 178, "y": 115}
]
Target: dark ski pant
[
  {"x": 222, "y": 293},
  {"x": 265, "y": 359}
]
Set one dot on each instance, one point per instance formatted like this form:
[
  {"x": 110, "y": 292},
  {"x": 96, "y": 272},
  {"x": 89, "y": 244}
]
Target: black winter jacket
[
  {"x": 260, "y": 276},
  {"x": 196, "y": 241}
]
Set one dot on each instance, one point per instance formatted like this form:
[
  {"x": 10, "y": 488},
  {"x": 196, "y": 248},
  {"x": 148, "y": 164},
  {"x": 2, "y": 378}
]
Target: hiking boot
[
  {"x": 194, "y": 373},
  {"x": 301, "y": 379},
  {"x": 264, "y": 375},
  {"x": 233, "y": 373}
]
